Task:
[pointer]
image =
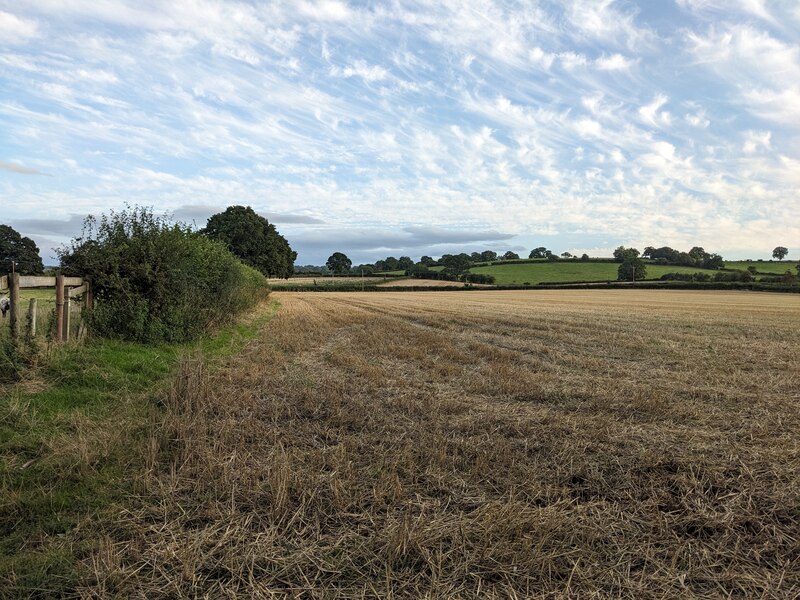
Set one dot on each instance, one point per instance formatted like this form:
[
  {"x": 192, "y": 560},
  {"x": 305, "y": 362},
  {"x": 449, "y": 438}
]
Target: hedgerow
[{"x": 156, "y": 280}]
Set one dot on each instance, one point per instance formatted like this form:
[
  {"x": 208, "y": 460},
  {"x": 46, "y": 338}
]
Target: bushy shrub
[
  {"x": 427, "y": 274},
  {"x": 478, "y": 278},
  {"x": 744, "y": 276},
  {"x": 155, "y": 280},
  {"x": 686, "y": 277},
  {"x": 788, "y": 278}
]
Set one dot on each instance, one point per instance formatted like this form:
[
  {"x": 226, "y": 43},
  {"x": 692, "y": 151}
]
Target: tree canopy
[
  {"x": 780, "y": 252},
  {"x": 339, "y": 263},
  {"x": 632, "y": 268},
  {"x": 22, "y": 250},
  {"x": 455, "y": 264},
  {"x": 253, "y": 239},
  {"x": 621, "y": 253}
]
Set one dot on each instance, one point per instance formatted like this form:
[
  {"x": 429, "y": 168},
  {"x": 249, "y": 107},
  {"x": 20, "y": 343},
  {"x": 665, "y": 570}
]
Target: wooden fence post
[
  {"x": 88, "y": 298},
  {"x": 13, "y": 296},
  {"x": 65, "y": 334},
  {"x": 31, "y": 325},
  {"x": 59, "y": 307},
  {"x": 88, "y": 305}
]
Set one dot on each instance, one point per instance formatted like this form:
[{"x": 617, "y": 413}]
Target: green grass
[
  {"x": 68, "y": 437},
  {"x": 773, "y": 267},
  {"x": 544, "y": 272}
]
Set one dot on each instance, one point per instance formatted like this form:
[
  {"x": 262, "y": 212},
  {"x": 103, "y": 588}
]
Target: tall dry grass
[{"x": 493, "y": 445}]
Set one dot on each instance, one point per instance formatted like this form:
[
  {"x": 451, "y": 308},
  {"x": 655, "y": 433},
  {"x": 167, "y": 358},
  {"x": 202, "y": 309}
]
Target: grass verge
[{"x": 70, "y": 436}]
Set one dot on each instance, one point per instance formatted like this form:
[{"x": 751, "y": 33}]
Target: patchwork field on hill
[
  {"x": 564, "y": 271},
  {"x": 776, "y": 267}
]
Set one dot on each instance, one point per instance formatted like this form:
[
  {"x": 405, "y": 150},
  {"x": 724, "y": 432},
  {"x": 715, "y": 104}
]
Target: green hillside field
[
  {"x": 564, "y": 271},
  {"x": 766, "y": 266}
]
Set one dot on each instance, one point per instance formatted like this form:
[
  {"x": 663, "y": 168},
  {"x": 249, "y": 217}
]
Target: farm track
[{"x": 636, "y": 444}]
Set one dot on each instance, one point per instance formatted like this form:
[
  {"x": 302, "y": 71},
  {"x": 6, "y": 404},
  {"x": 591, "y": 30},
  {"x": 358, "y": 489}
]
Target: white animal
[{"x": 5, "y": 305}]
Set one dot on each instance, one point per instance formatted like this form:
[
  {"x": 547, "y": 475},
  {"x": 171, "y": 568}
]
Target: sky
[{"x": 410, "y": 128}]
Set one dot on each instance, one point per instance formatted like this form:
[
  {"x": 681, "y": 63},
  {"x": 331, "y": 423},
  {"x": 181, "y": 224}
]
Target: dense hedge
[
  {"x": 687, "y": 277},
  {"x": 155, "y": 280}
]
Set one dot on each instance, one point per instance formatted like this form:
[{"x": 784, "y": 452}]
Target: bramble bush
[{"x": 156, "y": 280}]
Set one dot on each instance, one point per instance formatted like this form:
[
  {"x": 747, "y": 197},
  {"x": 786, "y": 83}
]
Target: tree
[
  {"x": 510, "y": 256},
  {"x": 427, "y": 261},
  {"x": 22, "y": 250},
  {"x": 664, "y": 252},
  {"x": 339, "y": 263},
  {"x": 488, "y": 255},
  {"x": 584, "y": 257},
  {"x": 621, "y": 253},
  {"x": 540, "y": 252},
  {"x": 475, "y": 257},
  {"x": 698, "y": 255},
  {"x": 780, "y": 252},
  {"x": 253, "y": 239},
  {"x": 456, "y": 264},
  {"x": 632, "y": 268},
  {"x": 418, "y": 270},
  {"x": 566, "y": 255},
  {"x": 365, "y": 269},
  {"x": 712, "y": 261},
  {"x": 404, "y": 263},
  {"x": 391, "y": 263}
]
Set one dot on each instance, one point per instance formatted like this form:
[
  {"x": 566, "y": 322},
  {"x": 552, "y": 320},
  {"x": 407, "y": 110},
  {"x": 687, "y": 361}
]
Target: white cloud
[
  {"x": 763, "y": 69},
  {"x": 15, "y": 30},
  {"x": 651, "y": 113},
  {"x": 602, "y": 20},
  {"x": 360, "y": 68},
  {"x": 781, "y": 106},
  {"x": 698, "y": 119},
  {"x": 365, "y": 115},
  {"x": 326, "y": 10},
  {"x": 614, "y": 62},
  {"x": 755, "y": 140}
]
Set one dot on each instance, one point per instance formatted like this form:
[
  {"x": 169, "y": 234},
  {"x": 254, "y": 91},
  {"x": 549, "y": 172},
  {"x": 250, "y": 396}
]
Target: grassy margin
[{"x": 71, "y": 434}]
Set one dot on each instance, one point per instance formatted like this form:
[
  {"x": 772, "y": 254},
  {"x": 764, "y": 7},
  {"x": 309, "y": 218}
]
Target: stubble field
[{"x": 636, "y": 444}]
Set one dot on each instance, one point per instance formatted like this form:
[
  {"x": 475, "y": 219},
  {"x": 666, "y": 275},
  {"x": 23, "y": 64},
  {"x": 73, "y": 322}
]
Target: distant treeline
[{"x": 455, "y": 264}]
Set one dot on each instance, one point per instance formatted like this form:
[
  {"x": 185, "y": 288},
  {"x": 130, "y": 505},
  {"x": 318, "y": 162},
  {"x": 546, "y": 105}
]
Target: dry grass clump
[{"x": 493, "y": 445}]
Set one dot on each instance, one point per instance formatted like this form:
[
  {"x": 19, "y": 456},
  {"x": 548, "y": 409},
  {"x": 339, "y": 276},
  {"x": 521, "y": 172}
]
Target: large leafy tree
[
  {"x": 22, "y": 250},
  {"x": 253, "y": 239},
  {"x": 622, "y": 253},
  {"x": 455, "y": 264},
  {"x": 780, "y": 252},
  {"x": 632, "y": 268},
  {"x": 339, "y": 263}
]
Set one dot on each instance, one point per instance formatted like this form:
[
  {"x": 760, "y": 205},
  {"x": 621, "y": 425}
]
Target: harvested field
[
  {"x": 587, "y": 444},
  {"x": 421, "y": 283},
  {"x": 322, "y": 281}
]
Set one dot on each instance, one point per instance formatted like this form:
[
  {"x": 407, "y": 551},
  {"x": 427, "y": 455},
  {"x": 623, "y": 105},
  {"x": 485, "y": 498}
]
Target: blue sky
[{"x": 389, "y": 128}]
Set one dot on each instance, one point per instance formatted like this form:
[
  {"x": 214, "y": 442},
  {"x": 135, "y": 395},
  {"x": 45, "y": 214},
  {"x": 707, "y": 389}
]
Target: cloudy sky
[{"x": 413, "y": 128}]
